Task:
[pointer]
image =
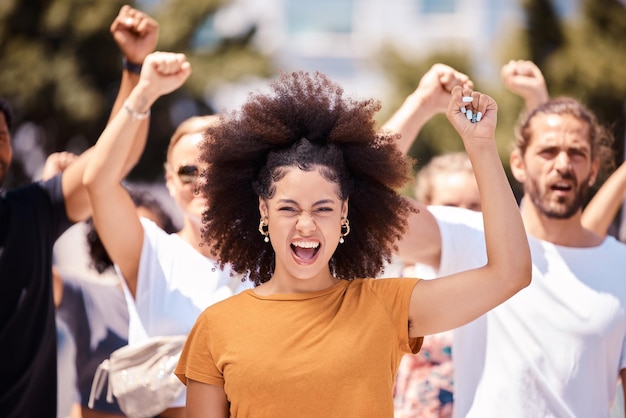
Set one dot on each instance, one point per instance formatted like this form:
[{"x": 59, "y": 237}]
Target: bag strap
[{"x": 102, "y": 373}]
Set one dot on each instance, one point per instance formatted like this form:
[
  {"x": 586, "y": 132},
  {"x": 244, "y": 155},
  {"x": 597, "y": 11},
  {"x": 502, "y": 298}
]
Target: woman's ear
[
  {"x": 262, "y": 207},
  {"x": 344, "y": 209}
]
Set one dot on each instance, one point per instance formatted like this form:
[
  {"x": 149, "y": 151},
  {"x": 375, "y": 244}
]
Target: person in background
[
  {"x": 168, "y": 278},
  {"x": 94, "y": 307},
  {"x": 38, "y": 214},
  {"x": 91, "y": 313},
  {"x": 425, "y": 384},
  {"x": 448, "y": 180},
  {"x": 525, "y": 79},
  {"x": 114, "y": 139},
  {"x": 308, "y": 209},
  {"x": 136, "y": 35},
  {"x": 501, "y": 359},
  {"x": 419, "y": 393}
]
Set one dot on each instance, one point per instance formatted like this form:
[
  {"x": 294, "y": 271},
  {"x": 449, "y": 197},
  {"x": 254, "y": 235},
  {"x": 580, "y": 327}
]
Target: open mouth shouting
[
  {"x": 305, "y": 251},
  {"x": 562, "y": 186}
]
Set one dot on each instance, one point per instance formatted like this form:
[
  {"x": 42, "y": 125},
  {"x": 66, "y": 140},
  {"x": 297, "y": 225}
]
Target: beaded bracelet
[{"x": 134, "y": 113}]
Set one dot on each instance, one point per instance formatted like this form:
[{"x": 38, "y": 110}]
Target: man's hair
[
  {"x": 7, "y": 110},
  {"x": 192, "y": 125},
  {"x": 304, "y": 121}
]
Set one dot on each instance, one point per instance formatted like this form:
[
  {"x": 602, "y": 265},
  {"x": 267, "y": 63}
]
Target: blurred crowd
[{"x": 92, "y": 263}]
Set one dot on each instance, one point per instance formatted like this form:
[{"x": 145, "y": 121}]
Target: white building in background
[{"x": 342, "y": 38}]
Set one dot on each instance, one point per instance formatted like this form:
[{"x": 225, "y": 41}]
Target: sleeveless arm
[{"x": 114, "y": 214}]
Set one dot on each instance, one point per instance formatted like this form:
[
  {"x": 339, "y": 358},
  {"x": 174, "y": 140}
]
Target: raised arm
[
  {"x": 601, "y": 210},
  {"x": 525, "y": 79},
  {"x": 422, "y": 241},
  {"x": 429, "y": 98},
  {"x": 56, "y": 163},
  {"x": 114, "y": 214},
  {"x": 451, "y": 301},
  {"x": 136, "y": 35}
]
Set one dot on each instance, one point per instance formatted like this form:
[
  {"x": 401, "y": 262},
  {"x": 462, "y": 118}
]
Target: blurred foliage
[
  {"x": 61, "y": 69},
  {"x": 582, "y": 58},
  {"x": 544, "y": 34}
]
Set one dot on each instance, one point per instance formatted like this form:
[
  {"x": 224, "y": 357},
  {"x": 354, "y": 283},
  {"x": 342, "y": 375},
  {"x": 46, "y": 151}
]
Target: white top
[
  {"x": 554, "y": 349},
  {"x": 175, "y": 283},
  {"x": 463, "y": 248}
]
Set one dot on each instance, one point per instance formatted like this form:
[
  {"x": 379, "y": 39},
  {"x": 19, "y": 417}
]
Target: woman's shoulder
[
  {"x": 384, "y": 285},
  {"x": 228, "y": 306}
]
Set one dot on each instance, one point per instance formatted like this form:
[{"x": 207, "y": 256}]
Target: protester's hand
[
  {"x": 525, "y": 79},
  {"x": 136, "y": 34},
  {"x": 164, "y": 72},
  {"x": 56, "y": 163},
  {"x": 474, "y": 120},
  {"x": 435, "y": 87}
]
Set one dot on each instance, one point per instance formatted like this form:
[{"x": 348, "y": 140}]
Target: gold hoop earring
[
  {"x": 264, "y": 229},
  {"x": 345, "y": 230}
]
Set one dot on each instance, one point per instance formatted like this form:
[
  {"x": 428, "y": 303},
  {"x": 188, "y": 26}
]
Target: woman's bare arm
[
  {"x": 452, "y": 301},
  {"x": 206, "y": 400}
]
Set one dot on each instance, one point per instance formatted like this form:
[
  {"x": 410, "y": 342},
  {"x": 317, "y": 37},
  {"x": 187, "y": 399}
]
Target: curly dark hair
[{"x": 304, "y": 121}]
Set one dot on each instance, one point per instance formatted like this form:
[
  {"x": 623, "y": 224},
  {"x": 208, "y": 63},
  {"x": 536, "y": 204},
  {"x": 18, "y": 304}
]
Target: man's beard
[{"x": 560, "y": 209}]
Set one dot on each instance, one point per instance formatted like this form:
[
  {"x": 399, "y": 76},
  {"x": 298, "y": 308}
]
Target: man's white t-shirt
[{"x": 554, "y": 349}]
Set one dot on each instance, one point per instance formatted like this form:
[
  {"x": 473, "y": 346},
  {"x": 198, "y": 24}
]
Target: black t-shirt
[{"x": 31, "y": 219}]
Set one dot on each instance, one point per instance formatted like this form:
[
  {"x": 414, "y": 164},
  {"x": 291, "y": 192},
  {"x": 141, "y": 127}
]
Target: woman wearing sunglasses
[{"x": 169, "y": 279}]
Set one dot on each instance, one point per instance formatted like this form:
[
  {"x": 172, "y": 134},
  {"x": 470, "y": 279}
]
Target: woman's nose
[{"x": 305, "y": 223}]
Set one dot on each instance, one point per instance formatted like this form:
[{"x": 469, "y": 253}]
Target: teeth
[{"x": 306, "y": 244}]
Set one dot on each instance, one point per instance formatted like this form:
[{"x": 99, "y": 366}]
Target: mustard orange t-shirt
[{"x": 332, "y": 353}]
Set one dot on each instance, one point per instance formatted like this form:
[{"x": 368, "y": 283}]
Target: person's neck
[
  {"x": 283, "y": 284},
  {"x": 567, "y": 232}
]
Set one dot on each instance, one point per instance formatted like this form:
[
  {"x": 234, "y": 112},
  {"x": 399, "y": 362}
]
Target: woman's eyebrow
[{"x": 319, "y": 202}]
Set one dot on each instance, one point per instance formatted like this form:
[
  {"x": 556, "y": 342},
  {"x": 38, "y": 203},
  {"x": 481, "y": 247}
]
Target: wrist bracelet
[
  {"x": 135, "y": 114},
  {"x": 130, "y": 67}
]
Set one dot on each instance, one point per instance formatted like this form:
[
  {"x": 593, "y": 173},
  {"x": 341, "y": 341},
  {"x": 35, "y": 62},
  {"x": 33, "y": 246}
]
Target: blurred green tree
[{"x": 61, "y": 69}]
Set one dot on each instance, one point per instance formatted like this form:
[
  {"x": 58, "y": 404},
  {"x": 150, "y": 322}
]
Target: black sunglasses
[{"x": 187, "y": 173}]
